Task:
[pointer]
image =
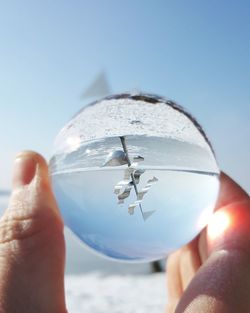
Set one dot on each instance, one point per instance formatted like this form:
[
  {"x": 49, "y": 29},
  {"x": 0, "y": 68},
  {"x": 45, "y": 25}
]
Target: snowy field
[
  {"x": 97, "y": 285},
  {"x": 97, "y": 293}
]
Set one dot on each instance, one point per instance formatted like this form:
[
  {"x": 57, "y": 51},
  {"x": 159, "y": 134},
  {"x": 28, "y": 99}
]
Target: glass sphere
[{"x": 135, "y": 176}]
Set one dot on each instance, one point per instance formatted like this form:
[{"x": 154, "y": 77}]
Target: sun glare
[{"x": 219, "y": 223}]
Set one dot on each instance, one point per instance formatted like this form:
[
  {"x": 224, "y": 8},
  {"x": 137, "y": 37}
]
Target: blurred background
[{"x": 56, "y": 56}]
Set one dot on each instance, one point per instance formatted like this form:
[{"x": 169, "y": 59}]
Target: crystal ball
[{"x": 135, "y": 176}]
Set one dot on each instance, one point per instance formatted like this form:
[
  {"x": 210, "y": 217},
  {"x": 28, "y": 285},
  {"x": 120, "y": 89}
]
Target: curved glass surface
[{"x": 135, "y": 176}]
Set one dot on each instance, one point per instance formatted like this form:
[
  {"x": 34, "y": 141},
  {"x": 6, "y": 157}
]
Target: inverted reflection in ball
[{"x": 133, "y": 176}]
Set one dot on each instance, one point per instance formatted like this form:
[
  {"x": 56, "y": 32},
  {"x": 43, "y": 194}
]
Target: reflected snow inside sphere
[{"x": 134, "y": 176}]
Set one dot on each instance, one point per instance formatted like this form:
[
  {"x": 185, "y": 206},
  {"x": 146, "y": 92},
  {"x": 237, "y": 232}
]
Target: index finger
[{"x": 230, "y": 192}]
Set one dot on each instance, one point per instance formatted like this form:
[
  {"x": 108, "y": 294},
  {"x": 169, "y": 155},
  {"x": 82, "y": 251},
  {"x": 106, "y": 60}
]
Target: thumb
[
  {"x": 32, "y": 244},
  {"x": 222, "y": 283}
]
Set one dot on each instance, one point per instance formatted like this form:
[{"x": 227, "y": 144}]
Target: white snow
[
  {"x": 97, "y": 285},
  {"x": 95, "y": 293},
  {"x": 120, "y": 117}
]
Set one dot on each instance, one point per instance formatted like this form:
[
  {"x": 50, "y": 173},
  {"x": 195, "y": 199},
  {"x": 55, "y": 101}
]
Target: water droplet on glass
[{"x": 135, "y": 176}]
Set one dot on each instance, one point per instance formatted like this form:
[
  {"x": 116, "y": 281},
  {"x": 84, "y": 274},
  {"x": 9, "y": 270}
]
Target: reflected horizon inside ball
[{"x": 135, "y": 176}]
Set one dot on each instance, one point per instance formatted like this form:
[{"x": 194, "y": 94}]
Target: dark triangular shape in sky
[{"x": 98, "y": 88}]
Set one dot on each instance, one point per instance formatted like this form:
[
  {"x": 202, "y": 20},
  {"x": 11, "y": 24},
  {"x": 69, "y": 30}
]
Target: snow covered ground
[
  {"x": 98, "y": 293},
  {"x": 97, "y": 285}
]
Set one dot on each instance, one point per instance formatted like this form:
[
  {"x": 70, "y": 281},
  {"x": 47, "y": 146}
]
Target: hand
[
  {"x": 32, "y": 249},
  {"x": 32, "y": 252},
  {"x": 212, "y": 273}
]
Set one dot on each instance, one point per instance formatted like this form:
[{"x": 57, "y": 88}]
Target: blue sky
[{"x": 195, "y": 52}]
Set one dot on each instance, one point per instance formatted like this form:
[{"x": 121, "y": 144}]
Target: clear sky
[{"x": 195, "y": 52}]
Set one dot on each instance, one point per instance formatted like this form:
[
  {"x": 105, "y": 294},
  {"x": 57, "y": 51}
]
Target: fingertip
[
  {"x": 229, "y": 228},
  {"x": 229, "y": 191},
  {"x": 26, "y": 165},
  {"x": 38, "y": 159},
  {"x": 33, "y": 155},
  {"x": 31, "y": 181},
  {"x": 32, "y": 198}
]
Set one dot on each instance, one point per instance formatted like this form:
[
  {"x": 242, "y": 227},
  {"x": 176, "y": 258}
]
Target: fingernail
[{"x": 24, "y": 170}]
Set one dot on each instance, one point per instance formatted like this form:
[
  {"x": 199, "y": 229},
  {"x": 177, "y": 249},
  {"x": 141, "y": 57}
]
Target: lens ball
[{"x": 135, "y": 176}]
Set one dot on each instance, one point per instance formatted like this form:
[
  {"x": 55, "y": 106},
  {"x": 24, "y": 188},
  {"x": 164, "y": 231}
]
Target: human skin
[
  {"x": 211, "y": 274},
  {"x": 32, "y": 247}
]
